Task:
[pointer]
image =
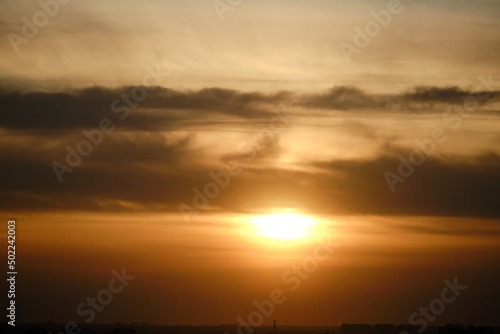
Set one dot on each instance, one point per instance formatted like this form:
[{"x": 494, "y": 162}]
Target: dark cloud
[
  {"x": 165, "y": 108},
  {"x": 419, "y": 99},
  {"x": 219, "y": 99},
  {"x": 160, "y": 109},
  {"x": 344, "y": 98},
  {"x": 150, "y": 172},
  {"x": 39, "y": 110},
  {"x": 446, "y": 186},
  {"x": 139, "y": 168},
  {"x": 446, "y": 226},
  {"x": 436, "y": 94}
]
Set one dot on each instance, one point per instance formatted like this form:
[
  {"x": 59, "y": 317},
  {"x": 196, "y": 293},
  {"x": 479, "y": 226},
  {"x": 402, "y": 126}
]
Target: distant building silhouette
[
  {"x": 452, "y": 329},
  {"x": 123, "y": 330},
  {"x": 87, "y": 331},
  {"x": 356, "y": 329},
  {"x": 460, "y": 329},
  {"x": 411, "y": 329},
  {"x": 384, "y": 329},
  {"x": 36, "y": 330},
  {"x": 381, "y": 329}
]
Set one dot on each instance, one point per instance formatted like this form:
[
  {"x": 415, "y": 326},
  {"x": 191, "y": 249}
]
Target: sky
[{"x": 338, "y": 158}]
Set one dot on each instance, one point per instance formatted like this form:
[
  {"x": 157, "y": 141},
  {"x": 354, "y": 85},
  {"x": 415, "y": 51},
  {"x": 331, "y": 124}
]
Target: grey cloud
[
  {"x": 448, "y": 186},
  {"x": 418, "y": 99},
  {"x": 166, "y": 108},
  {"x": 158, "y": 171},
  {"x": 154, "y": 174},
  {"x": 86, "y": 107}
]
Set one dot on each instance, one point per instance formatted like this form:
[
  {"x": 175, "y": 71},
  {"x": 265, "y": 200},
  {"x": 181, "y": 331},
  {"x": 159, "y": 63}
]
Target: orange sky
[{"x": 155, "y": 137}]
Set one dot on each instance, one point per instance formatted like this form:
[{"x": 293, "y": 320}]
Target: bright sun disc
[{"x": 283, "y": 225}]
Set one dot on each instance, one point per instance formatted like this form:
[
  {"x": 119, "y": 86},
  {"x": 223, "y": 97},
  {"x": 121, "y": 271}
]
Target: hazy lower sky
[{"x": 210, "y": 147}]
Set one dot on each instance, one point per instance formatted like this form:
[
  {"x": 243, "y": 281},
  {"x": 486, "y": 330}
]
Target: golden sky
[{"x": 209, "y": 152}]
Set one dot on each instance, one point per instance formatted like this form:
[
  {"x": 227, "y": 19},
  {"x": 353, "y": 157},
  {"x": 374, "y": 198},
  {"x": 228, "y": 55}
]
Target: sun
[{"x": 287, "y": 226}]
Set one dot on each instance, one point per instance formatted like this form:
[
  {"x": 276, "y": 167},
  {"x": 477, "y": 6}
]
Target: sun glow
[{"x": 287, "y": 226}]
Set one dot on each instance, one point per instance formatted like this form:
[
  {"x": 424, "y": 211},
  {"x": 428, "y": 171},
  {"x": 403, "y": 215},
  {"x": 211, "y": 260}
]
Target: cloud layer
[{"x": 156, "y": 156}]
